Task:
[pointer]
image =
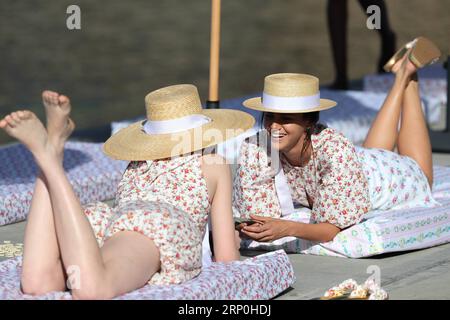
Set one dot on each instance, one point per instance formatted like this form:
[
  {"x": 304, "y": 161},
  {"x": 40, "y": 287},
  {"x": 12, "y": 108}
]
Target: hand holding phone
[{"x": 239, "y": 221}]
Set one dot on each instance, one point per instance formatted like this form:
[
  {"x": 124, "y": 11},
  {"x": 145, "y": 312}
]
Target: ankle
[
  {"x": 58, "y": 145},
  {"x": 413, "y": 83},
  {"x": 47, "y": 159},
  {"x": 401, "y": 79}
]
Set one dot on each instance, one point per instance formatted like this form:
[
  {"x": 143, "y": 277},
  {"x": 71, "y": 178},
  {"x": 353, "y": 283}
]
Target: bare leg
[
  {"x": 387, "y": 36},
  {"x": 130, "y": 260},
  {"x": 413, "y": 139},
  {"x": 103, "y": 273},
  {"x": 42, "y": 269},
  {"x": 383, "y": 133},
  {"x": 337, "y": 28}
]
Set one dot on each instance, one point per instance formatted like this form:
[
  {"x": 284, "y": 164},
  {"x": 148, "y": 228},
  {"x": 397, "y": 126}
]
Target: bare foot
[
  {"x": 29, "y": 130},
  {"x": 59, "y": 125}
]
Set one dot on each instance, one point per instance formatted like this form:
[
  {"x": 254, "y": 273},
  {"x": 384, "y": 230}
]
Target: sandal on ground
[{"x": 350, "y": 290}]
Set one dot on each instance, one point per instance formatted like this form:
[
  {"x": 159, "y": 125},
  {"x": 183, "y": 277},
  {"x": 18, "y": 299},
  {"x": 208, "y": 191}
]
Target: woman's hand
[{"x": 267, "y": 229}]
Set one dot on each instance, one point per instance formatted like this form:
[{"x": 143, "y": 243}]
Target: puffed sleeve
[
  {"x": 342, "y": 196},
  {"x": 253, "y": 186},
  {"x": 127, "y": 183}
]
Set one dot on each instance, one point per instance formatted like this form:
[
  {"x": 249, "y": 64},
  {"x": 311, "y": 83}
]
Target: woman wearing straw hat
[
  {"x": 154, "y": 232},
  {"x": 321, "y": 169}
]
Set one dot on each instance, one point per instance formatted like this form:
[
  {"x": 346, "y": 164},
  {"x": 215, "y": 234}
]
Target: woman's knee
[{"x": 41, "y": 282}]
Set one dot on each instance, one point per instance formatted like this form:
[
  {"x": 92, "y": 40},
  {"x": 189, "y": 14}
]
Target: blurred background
[{"x": 126, "y": 49}]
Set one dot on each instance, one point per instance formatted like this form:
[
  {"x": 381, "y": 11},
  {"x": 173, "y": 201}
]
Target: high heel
[
  {"x": 397, "y": 56},
  {"x": 423, "y": 53}
]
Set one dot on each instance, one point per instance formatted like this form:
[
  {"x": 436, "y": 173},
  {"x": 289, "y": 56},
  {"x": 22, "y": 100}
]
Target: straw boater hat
[
  {"x": 176, "y": 124},
  {"x": 290, "y": 93}
]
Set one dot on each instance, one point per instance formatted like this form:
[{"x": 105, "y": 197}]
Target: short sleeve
[
  {"x": 253, "y": 186},
  {"x": 342, "y": 196}
]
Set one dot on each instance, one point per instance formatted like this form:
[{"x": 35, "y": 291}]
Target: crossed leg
[
  {"x": 403, "y": 100},
  {"x": 125, "y": 262},
  {"x": 42, "y": 268},
  {"x": 413, "y": 138}
]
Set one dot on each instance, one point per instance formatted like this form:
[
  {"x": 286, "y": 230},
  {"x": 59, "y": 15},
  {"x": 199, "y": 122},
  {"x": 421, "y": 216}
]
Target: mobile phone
[{"x": 248, "y": 221}]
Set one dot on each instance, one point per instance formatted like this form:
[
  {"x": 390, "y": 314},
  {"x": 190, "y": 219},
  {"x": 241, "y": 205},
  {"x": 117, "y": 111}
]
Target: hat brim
[
  {"x": 256, "y": 104},
  {"x": 133, "y": 144}
]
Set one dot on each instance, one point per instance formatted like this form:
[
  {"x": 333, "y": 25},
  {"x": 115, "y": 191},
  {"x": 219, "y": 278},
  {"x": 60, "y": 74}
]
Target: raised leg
[
  {"x": 42, "y": 271},
  {"x": 103, "y": 273},
  {"x": 383, "y": 133},
  {"x": 42, "y": 268},
  {"x": 413, "y": 139}
]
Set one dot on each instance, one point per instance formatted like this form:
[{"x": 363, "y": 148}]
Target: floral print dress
[
  {"x": 167, "y": 201},
  {"x": 340, "y": 183}
]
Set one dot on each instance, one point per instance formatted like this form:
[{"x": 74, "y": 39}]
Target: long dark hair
[{"x": 313, "y": 126}]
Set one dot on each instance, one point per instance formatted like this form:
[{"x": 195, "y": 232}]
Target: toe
[
  {"x": 63, "y": 100},
  {"x": 15, "y": 116},
  {"x": 50, "y": 97},
  {"x": 24, "y": 114},
  {"x": 27, "y": 114},
  {"x": 10, "y": 120},
  {"x": 47, "y": 97},
  {"x": 3, "y": 123},
  {"x": 55, "y": 98}
]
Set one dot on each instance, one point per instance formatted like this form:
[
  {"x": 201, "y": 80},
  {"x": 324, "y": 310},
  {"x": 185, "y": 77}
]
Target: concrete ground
[{"x": 422, "y": 274}]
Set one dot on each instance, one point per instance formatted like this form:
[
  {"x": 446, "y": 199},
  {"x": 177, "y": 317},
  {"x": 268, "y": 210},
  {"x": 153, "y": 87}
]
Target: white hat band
[
  {"x": 291, "y": 103},
  {"x": 175, "y": 125}
]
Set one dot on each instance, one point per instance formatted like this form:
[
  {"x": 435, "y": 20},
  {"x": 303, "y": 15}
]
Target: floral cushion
[
  {"x": 380, "y": 232},
  {"x": 258, "y": 278}
]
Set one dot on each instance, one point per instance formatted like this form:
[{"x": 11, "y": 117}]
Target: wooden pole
[{"x": 213, "y": 97}]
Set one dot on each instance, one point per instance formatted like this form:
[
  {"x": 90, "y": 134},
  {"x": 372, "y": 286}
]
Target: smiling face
[{"x": 287, "y": 130}]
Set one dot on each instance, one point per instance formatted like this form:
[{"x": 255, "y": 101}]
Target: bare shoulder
[{"x": 215, "y": 166}]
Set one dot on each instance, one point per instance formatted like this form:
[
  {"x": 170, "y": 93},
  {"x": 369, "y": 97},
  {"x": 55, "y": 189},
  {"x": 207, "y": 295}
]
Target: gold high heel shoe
[{"x": 423, "y": 53}]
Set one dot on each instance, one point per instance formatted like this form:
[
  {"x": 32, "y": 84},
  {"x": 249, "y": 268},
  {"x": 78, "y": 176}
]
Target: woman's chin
[{"x": 277, "y": 144}]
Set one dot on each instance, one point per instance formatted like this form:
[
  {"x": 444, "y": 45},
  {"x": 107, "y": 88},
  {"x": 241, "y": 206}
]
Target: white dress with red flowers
[
  {"x": 343, "y": 182},
  {"x": 167, "y": 201}
]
